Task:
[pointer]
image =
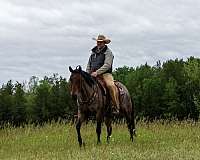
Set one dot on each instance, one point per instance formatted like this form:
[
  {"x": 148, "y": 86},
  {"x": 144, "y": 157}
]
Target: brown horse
[{"x": 91, "y": 98}]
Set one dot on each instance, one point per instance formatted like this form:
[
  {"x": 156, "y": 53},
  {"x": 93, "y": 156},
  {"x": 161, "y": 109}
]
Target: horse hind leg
[
  {"x": 130, "y": 125},
  {"x": 133, "y": 125},
  {"x": 132, "y": 128},
  {"x": 133, "y": 119}
]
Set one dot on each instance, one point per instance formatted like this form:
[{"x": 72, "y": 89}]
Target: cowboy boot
[{"x": 115, "y": 103}]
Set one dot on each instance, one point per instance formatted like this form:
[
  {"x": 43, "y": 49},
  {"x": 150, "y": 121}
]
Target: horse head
[
  {"x": 74, "y": 80},
  {"x": 77, "y": 79}
]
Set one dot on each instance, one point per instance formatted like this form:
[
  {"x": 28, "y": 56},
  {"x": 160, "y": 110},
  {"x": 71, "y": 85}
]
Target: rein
[{"x": 91, "y": 98}]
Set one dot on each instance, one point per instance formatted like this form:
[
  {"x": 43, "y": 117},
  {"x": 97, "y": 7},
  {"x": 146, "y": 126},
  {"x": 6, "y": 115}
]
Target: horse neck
[{"x": 87, "y": 90}]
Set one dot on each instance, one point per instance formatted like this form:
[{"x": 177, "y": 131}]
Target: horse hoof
[
  {"x": 98, "y": 143},
  {"x": 108, "y": 139},
  {"x": 131, "y": 139},
  {"x": 82, "y": 145},
  {"x": 134, "y": 132}
]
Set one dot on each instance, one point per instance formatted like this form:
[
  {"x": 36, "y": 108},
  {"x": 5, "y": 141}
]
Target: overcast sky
[{"x": 42, "y": 37}]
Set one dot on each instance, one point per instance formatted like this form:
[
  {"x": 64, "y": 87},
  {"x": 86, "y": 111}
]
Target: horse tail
[{"x": 133, "y": 117}]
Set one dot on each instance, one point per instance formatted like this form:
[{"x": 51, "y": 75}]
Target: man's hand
[{"x": 94, "y": 74}]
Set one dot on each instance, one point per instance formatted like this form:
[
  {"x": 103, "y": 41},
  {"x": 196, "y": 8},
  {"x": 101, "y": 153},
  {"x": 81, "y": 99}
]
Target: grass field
[{"x": 58, "y": 141}]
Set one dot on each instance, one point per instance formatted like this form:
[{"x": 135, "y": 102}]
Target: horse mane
[{"x": 87, "y": 77}]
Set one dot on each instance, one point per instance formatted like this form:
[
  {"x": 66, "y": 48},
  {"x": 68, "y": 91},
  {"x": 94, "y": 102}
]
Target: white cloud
[{"x": 44, "y": 37}]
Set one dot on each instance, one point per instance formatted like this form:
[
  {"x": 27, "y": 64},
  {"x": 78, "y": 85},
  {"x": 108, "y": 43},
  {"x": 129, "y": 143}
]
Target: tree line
[
  {"x": 165, "y": 91},
  {"x": 41, "y": 101}
]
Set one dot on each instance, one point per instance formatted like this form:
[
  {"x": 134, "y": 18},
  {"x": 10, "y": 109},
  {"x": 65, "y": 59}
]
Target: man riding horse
[
  {"x": 100, "y": 64},
  {"x": 90, "y": 96}
]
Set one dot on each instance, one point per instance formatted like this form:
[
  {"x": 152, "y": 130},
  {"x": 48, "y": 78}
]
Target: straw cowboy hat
[{"x": 102, "y": 38}]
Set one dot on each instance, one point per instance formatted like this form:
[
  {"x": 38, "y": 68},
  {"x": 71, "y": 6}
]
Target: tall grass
[{"x": 58, "y": 141}]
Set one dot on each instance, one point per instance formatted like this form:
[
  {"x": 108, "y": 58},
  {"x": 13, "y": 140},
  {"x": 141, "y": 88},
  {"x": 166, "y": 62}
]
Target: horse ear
[
  {"x": 79, "y": 68},
  {"x": 70, "y": 69}
]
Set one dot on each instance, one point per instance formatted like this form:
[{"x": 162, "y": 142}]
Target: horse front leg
[
  {"x": 78, "y": 129},
  {"x": 108, "y": 122},
  {"x": 98, "y": 131},
  {"x": 98, "y": 128}
]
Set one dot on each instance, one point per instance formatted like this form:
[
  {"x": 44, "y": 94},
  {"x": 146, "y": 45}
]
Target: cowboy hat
[{"x": 102, "y": 38}]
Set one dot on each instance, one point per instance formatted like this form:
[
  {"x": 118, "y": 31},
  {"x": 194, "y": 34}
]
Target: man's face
[{"x": 100, "y": 44}]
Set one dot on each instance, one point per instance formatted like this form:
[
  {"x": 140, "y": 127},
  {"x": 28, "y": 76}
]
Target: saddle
[
  {"x": 104, "y": 88},
  {"x": 102, "y": 85},
  {"x": 120, "y": 89}
]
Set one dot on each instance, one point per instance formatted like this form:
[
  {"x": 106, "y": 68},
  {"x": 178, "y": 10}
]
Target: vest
[{"x": 97, "y": 60}]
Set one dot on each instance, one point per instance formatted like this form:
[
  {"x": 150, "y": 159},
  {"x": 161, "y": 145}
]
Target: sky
[{"x": 42, "y": 37}]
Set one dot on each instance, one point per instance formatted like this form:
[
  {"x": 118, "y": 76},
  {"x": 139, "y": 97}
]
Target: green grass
[{"x": 154, "y": 141}]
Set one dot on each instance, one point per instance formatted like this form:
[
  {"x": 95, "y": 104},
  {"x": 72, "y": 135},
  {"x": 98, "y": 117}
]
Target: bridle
[{"x": 91, "y": 98}]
